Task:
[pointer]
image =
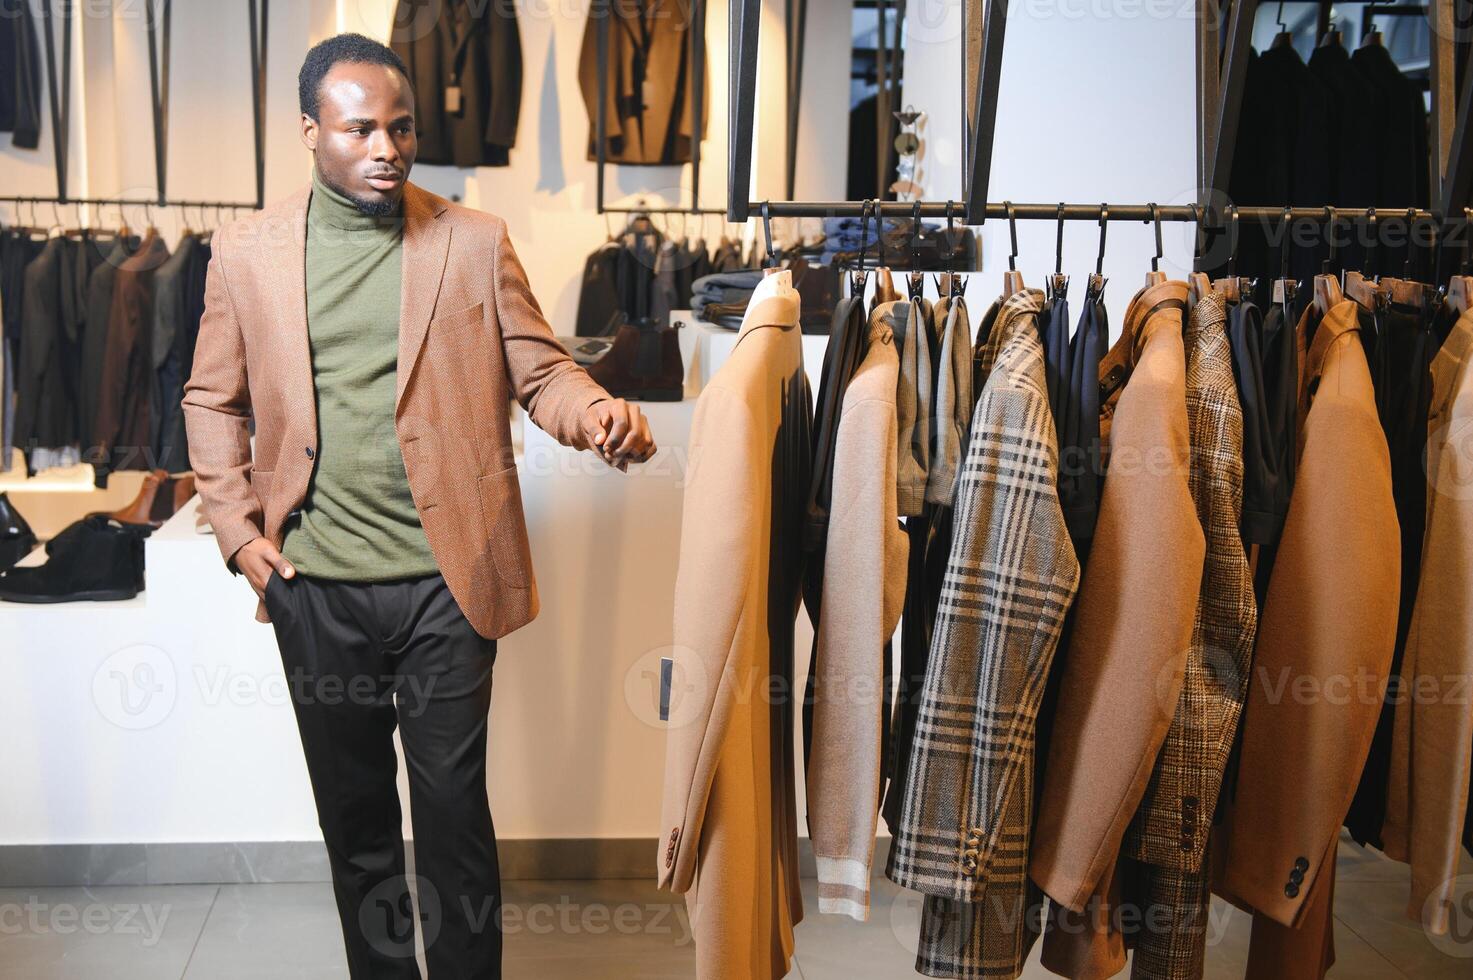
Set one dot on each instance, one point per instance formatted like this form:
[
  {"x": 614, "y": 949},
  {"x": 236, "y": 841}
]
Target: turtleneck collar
[{"x": 332, "y": 209}]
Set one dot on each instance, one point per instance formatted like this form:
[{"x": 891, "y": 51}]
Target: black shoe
[
  {"x": 16, "y": 538},
  {"x": 96, "y": 559}
]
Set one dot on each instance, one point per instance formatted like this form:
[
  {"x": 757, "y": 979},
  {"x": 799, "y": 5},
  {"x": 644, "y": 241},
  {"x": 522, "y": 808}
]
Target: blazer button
[
  {"x": 1296, "y": 876},
  {"x": 1301, "y": 864},
  {"x": 311, "y": 453},
  {"x": 1291, "y": 890}
]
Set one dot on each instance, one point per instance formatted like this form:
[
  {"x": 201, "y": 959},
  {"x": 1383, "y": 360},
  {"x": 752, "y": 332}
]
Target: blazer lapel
[
  {"x": 288, "y": 253},
  {"x": 426, "y": 245}
]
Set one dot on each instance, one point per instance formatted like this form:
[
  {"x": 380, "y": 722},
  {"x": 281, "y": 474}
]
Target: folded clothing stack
[{"x": 721, "y": 298}]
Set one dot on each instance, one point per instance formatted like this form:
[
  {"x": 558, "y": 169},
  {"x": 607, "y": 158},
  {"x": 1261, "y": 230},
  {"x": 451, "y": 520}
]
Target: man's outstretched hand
[
  {"x": 618, "y": 432},
  {"x": 257, "y": 559}
]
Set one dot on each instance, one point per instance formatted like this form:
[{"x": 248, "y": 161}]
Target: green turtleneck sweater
[{"x": 358, "y": 522}]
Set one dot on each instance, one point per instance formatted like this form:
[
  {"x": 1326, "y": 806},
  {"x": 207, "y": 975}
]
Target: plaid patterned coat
[
  {"x": 962, "y": 838},
  {"x": 1171, "y": 827}
]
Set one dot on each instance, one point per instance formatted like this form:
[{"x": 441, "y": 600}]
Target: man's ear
[{"x": 309, "y": 132}]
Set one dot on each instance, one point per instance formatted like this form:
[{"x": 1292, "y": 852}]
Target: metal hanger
[
  {"x": 1155, "y": 276},
  {"x": 1104, "y": 223},
  {"x": 1283, "y": 37},
  {"x": 859, "y": 276},
  {"x": 771, "y": 260},
  {"x": 1012, "y": 280},
  {"x": 916, "y": 281},
  {"x": 1058, "y": 284}
]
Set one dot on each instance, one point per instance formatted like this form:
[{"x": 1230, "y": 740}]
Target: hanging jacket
[
  {"x": 863, "y": 587},
  {"x": 1137, "y": 603},
  {"x": 964, "y": 826},
  {"x": 465, "y": 66},
  {"x": 1328, "y": 626},
  {"x": 1170, "y": 832},
  {"x": 952, "y": 412},
  {"x": 647, "y": 95},
  {"x": 20, "y": 74},
  {"x": 1432, "y": 744},
  {"x": 728, "y": 814}
]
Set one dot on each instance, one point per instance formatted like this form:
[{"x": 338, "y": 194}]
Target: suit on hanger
[
  {"x": 465, "y": 65},
  {"x": 728, "y": 815},
  {"x": 647, "y": 99},
  {"x": 122, "y": 427}
]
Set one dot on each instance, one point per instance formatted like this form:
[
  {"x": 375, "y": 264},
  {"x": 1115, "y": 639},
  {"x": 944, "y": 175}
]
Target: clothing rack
[
  {"x": 145, "y": 203},
  {"x": 1083, "y": 212}
]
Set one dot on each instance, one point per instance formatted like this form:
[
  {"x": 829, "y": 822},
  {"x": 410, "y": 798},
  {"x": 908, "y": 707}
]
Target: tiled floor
[{"x": 584, "y": 930}]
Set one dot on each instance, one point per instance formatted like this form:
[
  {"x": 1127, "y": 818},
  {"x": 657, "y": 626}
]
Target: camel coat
[
  {"x": 1325, "y": 637},
  {"x": 471, "y": 337},
  {"x": 728, "y": 817},
  {"x": 1137, "y": 601}
]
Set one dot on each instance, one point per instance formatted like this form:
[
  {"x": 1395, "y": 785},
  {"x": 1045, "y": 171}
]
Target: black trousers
[{"x": 362, "y": 659}]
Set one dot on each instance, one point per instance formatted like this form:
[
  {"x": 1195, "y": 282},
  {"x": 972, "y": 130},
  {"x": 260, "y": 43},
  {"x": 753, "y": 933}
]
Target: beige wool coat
[
  {"x": 863, "y": 592},
  {"x": 1433, "y": 736},
  {"x": 728, "y": 814},
  {"x": 471, "y": 337}
]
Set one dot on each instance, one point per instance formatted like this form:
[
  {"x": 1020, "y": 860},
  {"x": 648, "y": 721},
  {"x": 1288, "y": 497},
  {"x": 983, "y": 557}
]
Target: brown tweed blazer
[
  {"x": 1325, "y": 637},
  {"x": 1134, "y": 616},
  {"x": 471, "y": 337}
]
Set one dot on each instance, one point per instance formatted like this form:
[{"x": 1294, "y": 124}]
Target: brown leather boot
[
  {"x": 159, "y": 497},
  {"x": 643, "y": 365}
]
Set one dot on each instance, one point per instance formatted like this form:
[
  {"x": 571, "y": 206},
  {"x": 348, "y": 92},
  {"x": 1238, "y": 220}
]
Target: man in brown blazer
[{"x": 375, "y": 333}]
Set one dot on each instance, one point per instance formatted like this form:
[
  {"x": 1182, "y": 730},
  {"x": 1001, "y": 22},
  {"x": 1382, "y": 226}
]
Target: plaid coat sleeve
[{"x": 1010, "y": 578}]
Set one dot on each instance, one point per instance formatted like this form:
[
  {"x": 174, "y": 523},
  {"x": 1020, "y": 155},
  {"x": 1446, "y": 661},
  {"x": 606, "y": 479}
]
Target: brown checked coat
[{"x": 471, "y": 337}]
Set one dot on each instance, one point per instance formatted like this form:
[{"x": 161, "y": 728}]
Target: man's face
[{"x": 364, "y": 141}]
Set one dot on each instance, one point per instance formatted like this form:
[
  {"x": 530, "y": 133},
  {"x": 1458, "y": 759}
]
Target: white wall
[{"x": 1095, "y": 105}]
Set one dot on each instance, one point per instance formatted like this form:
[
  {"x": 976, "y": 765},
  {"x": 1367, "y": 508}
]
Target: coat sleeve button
[{"x": 311, "y": 453}]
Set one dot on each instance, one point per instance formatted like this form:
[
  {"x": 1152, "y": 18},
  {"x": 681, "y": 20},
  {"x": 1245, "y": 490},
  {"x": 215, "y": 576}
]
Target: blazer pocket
[
  {"x": 450, "y": 321},
  {"x": 506, "y": 527}
]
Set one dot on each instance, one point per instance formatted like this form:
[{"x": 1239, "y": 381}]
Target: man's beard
[{"x": 374, "y": 209}]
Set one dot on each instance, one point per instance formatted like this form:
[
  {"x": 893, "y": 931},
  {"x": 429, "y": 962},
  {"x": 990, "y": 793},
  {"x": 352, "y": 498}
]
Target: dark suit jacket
[
  {"x": 648, "y": 101},
  {"x": 473, "y": 46},
  {"x": 20, "y": 74},
  {"x": 122, "y": 426}
]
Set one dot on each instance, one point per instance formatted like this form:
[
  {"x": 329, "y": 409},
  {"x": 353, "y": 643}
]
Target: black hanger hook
[
  {"x": 1232, "y": 269},
  {"x": 1373, "y": 245},
  {"x": 1059, "y": 244},
  {"x": 1012, "y": 235},
  {"x": 767, "y": 234},
  {"x": 1100, "y": 259},
  {"x": 1284, "y": 243},
  {"x": 1156, "y": 218},
  {"x": 1327, "y": 266},
  {"x": 1406, "y": 269}
]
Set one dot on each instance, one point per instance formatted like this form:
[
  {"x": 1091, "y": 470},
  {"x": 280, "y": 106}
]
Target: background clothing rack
[
  {"x": 128, "y": 202},
  {"x": 1083, "y": 212},
  {"x": 601, "y": 13}
]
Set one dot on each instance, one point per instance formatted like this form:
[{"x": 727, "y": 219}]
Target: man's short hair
[{"x": 352, "y": 48}]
